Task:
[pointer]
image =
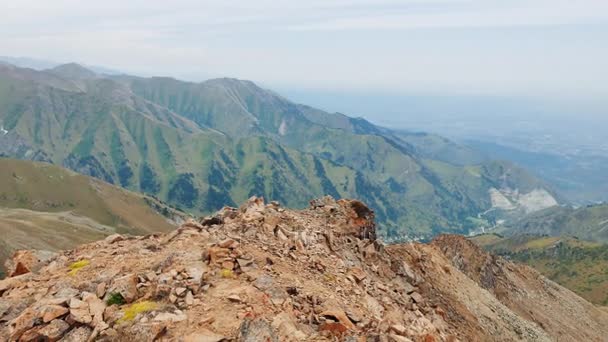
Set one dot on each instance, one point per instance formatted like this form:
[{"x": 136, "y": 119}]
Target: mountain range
[{"x": 200, "y": 146}]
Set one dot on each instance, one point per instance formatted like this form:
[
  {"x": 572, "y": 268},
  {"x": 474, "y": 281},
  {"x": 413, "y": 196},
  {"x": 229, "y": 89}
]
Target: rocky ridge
[{"x": 265, "y": 273}]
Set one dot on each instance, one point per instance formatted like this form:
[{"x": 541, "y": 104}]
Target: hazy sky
[{"x": 532, "y": 47}]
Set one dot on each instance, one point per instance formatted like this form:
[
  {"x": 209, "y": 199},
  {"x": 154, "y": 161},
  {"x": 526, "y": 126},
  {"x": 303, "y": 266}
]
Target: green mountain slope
[
  {"x": 588, "y": 223},
  {"x": 47, "y": 207},
  {"x": 578, "y": 265},
  {"x": 202, "y": 145}
]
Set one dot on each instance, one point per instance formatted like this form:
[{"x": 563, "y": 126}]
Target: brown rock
[
  {"x": 234, "y": 298},
  {"x": 398, "y": 338},
  {"x": 80, "y": 316},
  {"x": 79, "y": 334},
  {"x": 358, "y": 273},
  {"x": 26, "y": 261},
  {"x": 417, "y": 297},
  {"x": 180, "y": 291},
  {"x": 54, "y": 331},
  {"x": 189, "y": 298},
  {"x": 50, "y": 312},
  {"x": 126, "y": 286},
  {"x": 334, "y": 328},
  {"x": 285, "y": 324},
  {"x": 114, "y": 238},
  {"x": 100, "y": 290},
  {"x": 11, "y": 283},
  {"x": 339, "y": 316},
  {"x": 169, "y": 317},
  {"x": 217, "y": 254},
  {"x": 256, "y": 330},
  {"x": 399, "y": 329},
  {"x": 204, "y": 335},
  {"x": 229, "y": 243},
  {"x": 22, "y": 323},
  {"x": 96, "y": 307}
]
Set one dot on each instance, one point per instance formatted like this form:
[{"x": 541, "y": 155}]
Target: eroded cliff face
[{"x": 265, "y": 273}]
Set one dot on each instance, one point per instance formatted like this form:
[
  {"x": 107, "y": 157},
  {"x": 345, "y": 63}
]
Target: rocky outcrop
[{"x": 265, "y": 273}]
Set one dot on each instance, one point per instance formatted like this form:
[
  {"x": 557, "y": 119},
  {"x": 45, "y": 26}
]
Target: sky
[{"x": 551, "y": 48}]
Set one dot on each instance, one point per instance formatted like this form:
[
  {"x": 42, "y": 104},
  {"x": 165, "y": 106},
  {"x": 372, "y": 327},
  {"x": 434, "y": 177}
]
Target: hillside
[
  {"x": 580, "y": 266},
  {"x": 199, "y": 146},
  {"x": 50, "y": 208},
  {"x": 587, "y": 223},
  {"x": 266, "y": 273}
]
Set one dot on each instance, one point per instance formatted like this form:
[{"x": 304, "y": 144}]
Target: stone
[
  {"x": 254, "y": 330},
  {"x": 285, "y": 324},
  {"x": 26, "y": 261},
  {"x": 244, "y": 263},
  {"x": 126, "y": 286},
  {"x": 340, "y": 316},
  {"x": 354, "y": 316},
  {"x": 54, "y": 330},
  {"x": 22, "y": 323},
  {"x": 169, "y": 317},
  {"x": 229, "y": 243},
  {"x": 217, "y": 254},
  {"x": 100, "y": 290},
  {"x": 162, "y": 291},
  {"x": 114, "y": 238},
  {"x": 398, "y": 338},
  {"x": 399, "y": 329},
  {"x": 96, "y": 307},
  {"x": 234, "y": 298},
  {"x": 5, "y": 306},
  {"x": 76, "y": 303},
  {"x": 334, "y": 328},
  {"x": 152, "y": 331},
  {"x": 180, "y": 291},
  {"x": 358, "y": 274},
  {"x": 417, "y": 297},
  {"x": 50, "y": 312},
  {"x": 80, "y": 316},
  {"x": 11, "y": 283},
  {"x": 189, "y": 298},
  {"x": 190, "y": 223},
  {"x": 204, "y": 335},
  {"x": 79, "y": 334}
]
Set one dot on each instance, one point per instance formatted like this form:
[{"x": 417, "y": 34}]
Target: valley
[{"x": 50, "y": 208}]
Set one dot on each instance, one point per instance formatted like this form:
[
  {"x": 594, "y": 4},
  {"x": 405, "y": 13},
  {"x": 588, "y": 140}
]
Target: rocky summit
[{"x": 265, "y": 273}]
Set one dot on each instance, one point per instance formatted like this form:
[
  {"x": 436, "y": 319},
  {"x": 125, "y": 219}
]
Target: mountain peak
[
  {"x": 73, "y": 71},
  {"x": 264, "y": 272}
]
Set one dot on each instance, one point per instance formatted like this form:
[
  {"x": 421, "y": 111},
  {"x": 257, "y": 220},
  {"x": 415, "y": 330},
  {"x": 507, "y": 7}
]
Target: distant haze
[{"x": 551, "y": 48}]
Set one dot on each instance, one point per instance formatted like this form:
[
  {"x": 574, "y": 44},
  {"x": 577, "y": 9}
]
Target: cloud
[
  {"x": 500, "y": 45},
  {"x": 518, "y": 14}
]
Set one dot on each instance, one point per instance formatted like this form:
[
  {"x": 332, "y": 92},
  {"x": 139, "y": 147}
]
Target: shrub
[
  {"x": 135, "y": 309},
  {"x": 115, "y": 298},
  {"x": 226, "y": 273},
  {"x": 77, "y": 266}
]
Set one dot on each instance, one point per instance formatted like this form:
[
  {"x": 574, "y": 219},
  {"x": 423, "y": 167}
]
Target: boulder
[
  {"x": 50, "y": 312},
  {"x": 96, "y": 307},
  {"x": 340, "y": 316},
  {"x": 54, "y": 330},
  {"x": 126, "y": 286},
  {"x": 253, "y": 330},
  {"x": 22, "y": 323},
  {"x": 26, "y": 261},
  {"x": 79, "y": 334}
]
